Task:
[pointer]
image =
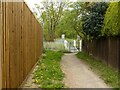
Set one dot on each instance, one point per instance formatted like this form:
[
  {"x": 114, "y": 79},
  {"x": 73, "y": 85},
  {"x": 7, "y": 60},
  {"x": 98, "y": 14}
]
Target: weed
[{"x": 49, "y": 73}]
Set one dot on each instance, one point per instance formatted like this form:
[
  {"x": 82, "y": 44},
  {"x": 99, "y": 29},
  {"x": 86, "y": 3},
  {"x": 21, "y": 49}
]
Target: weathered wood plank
[
  {"x": 8, "y": 21},
  {"x": 4, "y": 40},
  {"x": 1, "y": 39}
]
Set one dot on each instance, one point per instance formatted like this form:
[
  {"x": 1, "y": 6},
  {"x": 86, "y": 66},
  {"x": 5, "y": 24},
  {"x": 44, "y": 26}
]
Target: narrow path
[
  {"x": 78, "y": 74},
  {"x": 30, "y": 82}
]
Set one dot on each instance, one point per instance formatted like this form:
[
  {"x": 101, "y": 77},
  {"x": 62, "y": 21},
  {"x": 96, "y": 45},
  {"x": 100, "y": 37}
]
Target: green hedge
[{"x": 112, "y": 20}]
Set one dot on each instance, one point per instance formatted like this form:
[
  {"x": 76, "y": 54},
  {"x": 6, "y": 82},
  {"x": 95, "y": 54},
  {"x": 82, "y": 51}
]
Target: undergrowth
[{"x": 49, "y": 73}]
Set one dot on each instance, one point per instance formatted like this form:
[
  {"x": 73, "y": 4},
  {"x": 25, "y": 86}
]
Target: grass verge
[
  {"x": 49, "y": 73},
  {"x": 108, "y": 74}
]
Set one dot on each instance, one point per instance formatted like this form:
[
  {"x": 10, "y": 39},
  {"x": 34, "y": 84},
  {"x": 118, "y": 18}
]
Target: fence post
[
  {"x": 80, "y": 45},
  {"x": 108, "y": 57},
  {"x": 119, "y": 62},
  {"x": 0, "y": 44}
]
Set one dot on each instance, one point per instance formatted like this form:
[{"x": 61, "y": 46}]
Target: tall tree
[
  {"x": 71, "y": 20},
  {"x": 93, "y": 20},
  {"x": 52, "y": 12},
  {"x": 65, "y": 26},
  {"x": 78, "y": 9}
]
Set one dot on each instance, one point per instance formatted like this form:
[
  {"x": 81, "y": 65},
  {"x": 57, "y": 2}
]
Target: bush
[
  {"x": 93, "y": 21},
  {"x": 112, "y": 20}
]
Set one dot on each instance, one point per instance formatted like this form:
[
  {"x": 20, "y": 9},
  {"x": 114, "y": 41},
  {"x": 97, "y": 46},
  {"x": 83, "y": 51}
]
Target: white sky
[{"x": 31, "y": 3}]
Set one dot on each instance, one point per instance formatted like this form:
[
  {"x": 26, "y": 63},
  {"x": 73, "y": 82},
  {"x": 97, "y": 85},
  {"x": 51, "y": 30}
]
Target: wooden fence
[
  {"x": 20, "y": 43},
  {"x": 0, "y": 45},
  {"x": 106, "y": 49}
]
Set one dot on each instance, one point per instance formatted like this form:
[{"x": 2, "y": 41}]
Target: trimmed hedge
[{"x": 112, "y": 20}]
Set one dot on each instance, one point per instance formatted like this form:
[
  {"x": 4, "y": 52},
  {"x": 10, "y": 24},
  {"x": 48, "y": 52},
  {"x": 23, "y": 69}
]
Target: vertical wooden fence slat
[
  {"x": 1, "y": 44},
  {"x": 14, "y": 49},
  {"x": 8, "y": 11},
  {"x": 20, "y": 43},
  {"x": 24, "y": 42},
  {"x": 118, "y": 54},
  {"x": 4, "y": 40}
]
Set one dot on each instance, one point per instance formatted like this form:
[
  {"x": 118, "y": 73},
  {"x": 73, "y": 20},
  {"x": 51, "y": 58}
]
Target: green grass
[
  {"x": 108, "y": 74},
  {"x": 49, "y": 73}
]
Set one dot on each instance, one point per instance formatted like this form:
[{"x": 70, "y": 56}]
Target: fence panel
[
  {"x": 106, "y": 49},
  {"x": 22, "y": 43}
]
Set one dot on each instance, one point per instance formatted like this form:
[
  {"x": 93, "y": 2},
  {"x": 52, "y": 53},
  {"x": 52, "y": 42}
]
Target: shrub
[
  {"x": 93, "y": 21},
  {"x": 112, "y": 20}
]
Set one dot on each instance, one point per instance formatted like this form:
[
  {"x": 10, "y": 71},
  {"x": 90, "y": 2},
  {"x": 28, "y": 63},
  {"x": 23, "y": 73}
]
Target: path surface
[
  {"x": 29, "y": 82},
  {"x": 78, "y": 74}
]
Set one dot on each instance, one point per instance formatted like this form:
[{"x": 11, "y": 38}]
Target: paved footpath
[{"x": 78, "y": 74}]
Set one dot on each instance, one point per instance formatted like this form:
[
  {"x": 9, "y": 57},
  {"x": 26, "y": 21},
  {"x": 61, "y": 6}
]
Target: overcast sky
[{"x": 31, "y": 3}]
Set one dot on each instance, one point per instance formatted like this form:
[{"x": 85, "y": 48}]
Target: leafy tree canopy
[
  {"x": 65, "y": 25},
  {"x": 51, "y": 15},
  {"x": 112, "y": 20},
  {"x": 93, "y": 20}
]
